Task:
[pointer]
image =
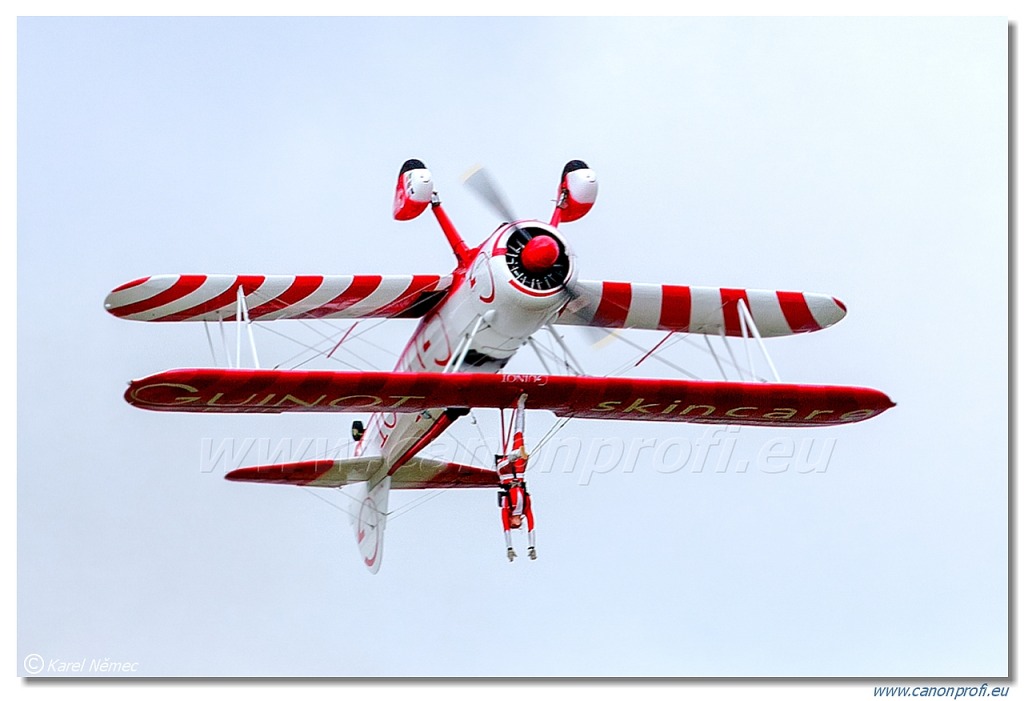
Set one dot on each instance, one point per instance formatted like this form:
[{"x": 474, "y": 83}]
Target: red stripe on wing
[
  {"x": 285, "y": 473},
  {"x": 798, "y": 314},
  {"x": 183, "y": 286},
  {"x": 730, "y": 309},
  {"x": 248, "y": 283},
  {"x": 302, "y": 286},
  {"x": 362, "y": 287},
  {"x": 614, "y": 306},
  {"x": 418, "y": 285},
  {"x": 127, "y": 285},
  {"x": 676, "y": 307}
]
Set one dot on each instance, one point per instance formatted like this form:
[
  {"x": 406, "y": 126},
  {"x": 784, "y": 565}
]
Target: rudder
[{"x": 370, "y": 521}]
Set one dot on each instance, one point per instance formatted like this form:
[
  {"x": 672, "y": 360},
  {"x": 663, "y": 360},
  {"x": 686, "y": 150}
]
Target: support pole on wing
[
  {"x": 242, "y": 317},
  {"x": 540, "y": 356},
  {"x": 224, "y": 341},
  {"x": 209, "y": 340},
  {"x": 578, "y": 369},
  {"x": 711, "y": 350},
  {"x": 732, "y": 356},
  {"x": 748, "y": 320},
  {"x": 459, "y": 355},
  {"x": 746, "y": 337}
]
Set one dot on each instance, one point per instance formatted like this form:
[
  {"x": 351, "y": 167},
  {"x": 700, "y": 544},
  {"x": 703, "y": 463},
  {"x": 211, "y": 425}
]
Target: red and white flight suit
[
  {"x": 513, "y": 498},
  {"x": 515, "y": 506}
]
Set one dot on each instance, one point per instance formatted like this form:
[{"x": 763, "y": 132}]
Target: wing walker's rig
[
  {"x": 513, "y": 498},
  {"x": 520, "y": 281}
]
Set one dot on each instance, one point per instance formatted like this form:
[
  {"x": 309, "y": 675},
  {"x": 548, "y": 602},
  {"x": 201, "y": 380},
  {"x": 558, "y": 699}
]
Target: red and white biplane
[{"x": 520, "y": 280}]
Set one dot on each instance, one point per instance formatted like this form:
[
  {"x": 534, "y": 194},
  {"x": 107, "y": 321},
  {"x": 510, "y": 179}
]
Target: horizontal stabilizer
[
  {"x": 641, "y": 399},
  {"x": 417, "y": 473},
  {"x": 704, "y": 310},
  {"x": 270, "y": 297}
]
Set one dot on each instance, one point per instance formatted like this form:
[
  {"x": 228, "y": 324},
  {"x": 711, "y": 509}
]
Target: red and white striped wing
[
  {"x": 705, "y": 310},
  {"x": 270, "y": 297}
]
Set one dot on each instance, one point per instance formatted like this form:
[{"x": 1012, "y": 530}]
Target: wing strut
[
  {"x": 540, "y": 356},
  {"x": 459, "y": 356},
  {"x": 732, "y": 356},
  {"x": 224, "y": 342},
  {"x": 242, "y": 317},
  {"x": 707, "y": 340},
  {"x": 578, "y": 369},
  {"x": 209, "y": 340},
  {"x": 747, "y": 322}
]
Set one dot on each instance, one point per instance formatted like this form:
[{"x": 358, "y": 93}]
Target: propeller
[
  {"x": 540, "y": 252},
  {"x": 479, "y": 181},
  {"x": 535, "y": 258}
]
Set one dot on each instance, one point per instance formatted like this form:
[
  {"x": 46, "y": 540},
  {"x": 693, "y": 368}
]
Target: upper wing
[
  {"x": 706, "y": 310},
  {"x": 275, "y": 391},
  {"x": 268, "y": 297}
]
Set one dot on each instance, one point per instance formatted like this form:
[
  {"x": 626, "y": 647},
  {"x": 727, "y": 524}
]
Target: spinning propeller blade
[{"x": 479, "y": 180}]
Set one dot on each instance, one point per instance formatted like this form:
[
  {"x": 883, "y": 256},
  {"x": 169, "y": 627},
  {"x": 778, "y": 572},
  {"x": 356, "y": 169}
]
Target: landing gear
[
  {"x": 511, "y": 554},
  {"x": 357, "y": 431},
  {"x": 532, "y": 553}
]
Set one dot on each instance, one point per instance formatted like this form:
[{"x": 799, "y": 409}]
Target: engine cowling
[
  {"x": 536, "y": 258},
  {"x": 577, "y": 192},
  {"x": 518, "y": 282},
  {"x": 413, "y": 190}
]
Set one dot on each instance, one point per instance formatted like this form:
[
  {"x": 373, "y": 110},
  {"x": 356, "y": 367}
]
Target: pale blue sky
[{"x": 862, "y": 158}]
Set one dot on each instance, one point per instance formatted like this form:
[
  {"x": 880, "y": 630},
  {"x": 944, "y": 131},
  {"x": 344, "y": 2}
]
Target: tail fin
[
  {"x": 352, "y": 473},
  {"x": 370, "y": 522}
]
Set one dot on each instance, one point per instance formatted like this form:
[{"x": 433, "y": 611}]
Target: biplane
[{"x": 520, "y": 280}]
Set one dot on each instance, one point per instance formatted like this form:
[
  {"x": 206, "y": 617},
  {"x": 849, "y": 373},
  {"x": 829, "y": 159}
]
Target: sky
[{"x": 863, "y": 158}]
